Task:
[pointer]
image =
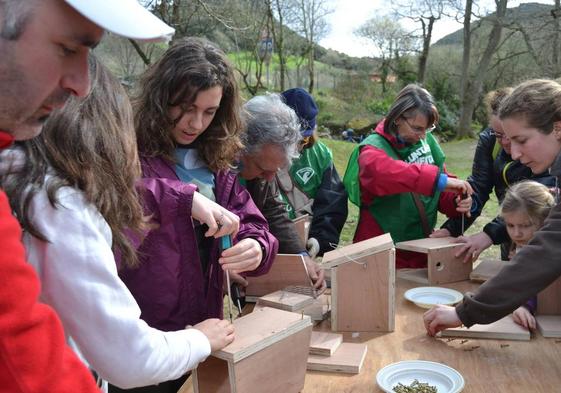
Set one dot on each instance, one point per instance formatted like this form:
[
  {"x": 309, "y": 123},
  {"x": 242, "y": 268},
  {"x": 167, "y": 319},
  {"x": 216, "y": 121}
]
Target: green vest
[
  {"x": 306, "y": 174},
  {"x": 397, "y": 214}
]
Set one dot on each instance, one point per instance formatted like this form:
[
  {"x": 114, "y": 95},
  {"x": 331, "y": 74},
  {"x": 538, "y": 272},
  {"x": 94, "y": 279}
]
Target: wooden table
[{"x": 496, "y": 366}]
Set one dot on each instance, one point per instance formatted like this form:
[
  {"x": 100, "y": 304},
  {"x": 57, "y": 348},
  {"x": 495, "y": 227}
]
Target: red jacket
[
  {"x": 382, "y": 175},
  {"x": 34, "y": 356}
]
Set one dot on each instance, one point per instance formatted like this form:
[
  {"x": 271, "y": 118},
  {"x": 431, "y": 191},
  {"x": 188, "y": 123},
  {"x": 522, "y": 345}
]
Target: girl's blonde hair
[{"x": 529, "y": 197}]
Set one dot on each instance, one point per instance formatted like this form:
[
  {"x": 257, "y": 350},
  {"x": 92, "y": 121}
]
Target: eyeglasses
[{"x": 420, "y": 129}]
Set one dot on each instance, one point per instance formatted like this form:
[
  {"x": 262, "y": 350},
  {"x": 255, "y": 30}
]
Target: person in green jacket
[{"x": 312, "y": 185}]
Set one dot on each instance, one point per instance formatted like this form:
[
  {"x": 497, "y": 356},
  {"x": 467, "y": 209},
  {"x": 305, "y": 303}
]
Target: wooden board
[
  {"x": 486, "y": 269},
  {"x": 356, "y": 251},
  {"x": 302, "y": 225},
  {"x": 549, "y": 325},
  {"x": 420, "y": 276},
  {"x": 363, "y": 294},
  {"x": 549, "y": 300},
  {"x": 324, "y": 343},
  {"x": 284, "y": 300},
  {"x": 286, "y": 270},
  {"x": 261, "y": 329},
  {"x": 348, "y": 358},
  {"x": 503, "y": 329},
  {"x": 442, "y": 265},
  {"x": 281, "y": 368},
  {"x": 425, "y": 245},
  {"x": 319, "y": 309}
]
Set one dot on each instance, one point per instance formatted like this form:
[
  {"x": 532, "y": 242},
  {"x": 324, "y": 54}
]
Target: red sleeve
[
  {"x": 34, "y": 356},
  {"x": 381, "y": 175}
]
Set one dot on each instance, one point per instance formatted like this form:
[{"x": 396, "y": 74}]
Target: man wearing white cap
[{"x": 44, "y": 47}]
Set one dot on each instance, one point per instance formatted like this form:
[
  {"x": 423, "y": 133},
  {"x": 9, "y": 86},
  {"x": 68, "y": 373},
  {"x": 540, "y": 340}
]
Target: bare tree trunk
[
  {"x": 472, "y": 91},
  {"x": 311, "y": 70},
  {"x": 423, "y": 58},
  {"x": 278, "y": 38},
  {"x": 140, "y": 52},
  {"x": 555, "y": 52}
]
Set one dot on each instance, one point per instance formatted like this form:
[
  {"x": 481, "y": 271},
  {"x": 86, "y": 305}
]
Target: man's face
[
  {"x": 263, "y": 164},
  {"x": 44, "y": 66}
]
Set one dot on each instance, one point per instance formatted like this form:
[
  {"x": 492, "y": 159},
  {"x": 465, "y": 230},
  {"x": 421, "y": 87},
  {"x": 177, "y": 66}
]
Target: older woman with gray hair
[{"x": 271, "y": 142}]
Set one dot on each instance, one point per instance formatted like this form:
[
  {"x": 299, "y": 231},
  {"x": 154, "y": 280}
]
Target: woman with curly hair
[{"x": 188, "y": 125}]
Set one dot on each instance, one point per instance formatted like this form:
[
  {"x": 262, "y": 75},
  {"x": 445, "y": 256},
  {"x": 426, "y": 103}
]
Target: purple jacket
[{"x": 170, "y": 286}]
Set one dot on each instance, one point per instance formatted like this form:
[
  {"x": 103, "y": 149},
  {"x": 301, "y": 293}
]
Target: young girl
[
  {"x": 187, "y": 124},
  {"x": 524, "y": 209},
  {"x": 73, "y": 190}
]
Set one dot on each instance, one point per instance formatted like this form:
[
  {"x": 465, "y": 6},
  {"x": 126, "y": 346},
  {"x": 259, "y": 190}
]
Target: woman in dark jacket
[
  {"x": 493, "y": 169},
  {"x": 531, "y": 118}
]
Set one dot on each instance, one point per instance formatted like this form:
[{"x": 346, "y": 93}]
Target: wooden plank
[
  {"x": 444, "y": 267},
  {"x": 261, "y": 329},
  {"x": 324, "y": 343},
  {"x": 302, "y": 225},
  {"x": 363, "y": 294},
  {"x": 486, "y": 269},
  {"x": 280, "y": 368},
  {"x": 549, "y": 300},
  {"x": 284, "y": 300},
  {"x": 503, "y": 329},
  {"x": 319, "y": 309},
  {"x": 356, "y": 251},
  {"x": 286, "y": 270},
  {"x": 549, "y": 325},
  {"x": 212, "y": 376},
  {"x": 425, "y": 245},
  {"x": 348, "y": 358},
  {"x": 420, "y": 276}
]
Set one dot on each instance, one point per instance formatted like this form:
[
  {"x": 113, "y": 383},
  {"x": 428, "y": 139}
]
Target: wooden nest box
[
  {"x": 269, "y": 353},
  {"x": 363, "y": 286}
]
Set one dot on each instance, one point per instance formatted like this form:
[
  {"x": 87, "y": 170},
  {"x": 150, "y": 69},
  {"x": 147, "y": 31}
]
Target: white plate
[
  {"x": 427, "y": 297},
  {"x": 444, "y": 378}
]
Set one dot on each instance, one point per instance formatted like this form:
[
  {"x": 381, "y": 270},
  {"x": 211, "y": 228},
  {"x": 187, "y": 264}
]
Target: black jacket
[{"x": 488, "y": 174}]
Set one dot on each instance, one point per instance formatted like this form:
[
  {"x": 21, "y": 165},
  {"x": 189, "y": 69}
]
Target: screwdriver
[{"x": 225, "y": 243}]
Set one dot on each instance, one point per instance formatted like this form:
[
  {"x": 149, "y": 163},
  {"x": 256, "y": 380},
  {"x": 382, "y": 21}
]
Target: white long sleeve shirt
[{"x": 79, "y": 280}]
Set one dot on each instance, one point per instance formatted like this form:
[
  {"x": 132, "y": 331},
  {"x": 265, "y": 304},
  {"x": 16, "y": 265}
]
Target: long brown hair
[
  {"x": 90, "y": 145},
  {"x": 191, "y": 65},
  {"x": 412, "y": 99}
]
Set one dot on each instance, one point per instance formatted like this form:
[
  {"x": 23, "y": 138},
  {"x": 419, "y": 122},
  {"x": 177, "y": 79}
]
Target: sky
[{"x": 350, "y": 14}]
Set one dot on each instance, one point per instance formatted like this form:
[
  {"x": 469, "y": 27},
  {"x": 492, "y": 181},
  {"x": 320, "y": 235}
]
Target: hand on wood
[
  {"x": 474, "y": 245},
  {"x": 439, "y": 318},
  {"x": 219, "y": 332},
  {"x": 317, "y": 275}
]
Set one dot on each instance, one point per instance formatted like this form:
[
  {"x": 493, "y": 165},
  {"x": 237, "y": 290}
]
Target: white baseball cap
[{"x": 124, "y": 17}]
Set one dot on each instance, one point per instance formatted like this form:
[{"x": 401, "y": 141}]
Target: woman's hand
[
  {"x": 244, "y": 256},
  {"x": 219, "y": 332},
  {"x": 439, "y": 318},
  {"x": 220, "y": 221},
  {"x": 474, "y": 245},
  {"x": 463, "y": 205},
  {"x": 524, "y": 317},
  {"x": 458, "y": 186},
  {"x": 317, "y": 275}
]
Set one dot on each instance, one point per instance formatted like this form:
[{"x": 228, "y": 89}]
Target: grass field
[{"x": 459, "y": 156}]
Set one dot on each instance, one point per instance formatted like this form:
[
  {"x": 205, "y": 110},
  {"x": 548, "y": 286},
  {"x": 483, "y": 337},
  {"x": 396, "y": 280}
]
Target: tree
[
  {"x": 426, "y": 13},
  {"x": 390, "y": 40},
  {"x": 310, "y": 22},
  {"x": 471, "y": 85}
]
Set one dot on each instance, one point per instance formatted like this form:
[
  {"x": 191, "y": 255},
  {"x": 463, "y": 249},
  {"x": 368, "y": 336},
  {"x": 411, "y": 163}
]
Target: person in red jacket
[
  {"x": 44, "y": 48},
  {"x": 398, "y": 178}
]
